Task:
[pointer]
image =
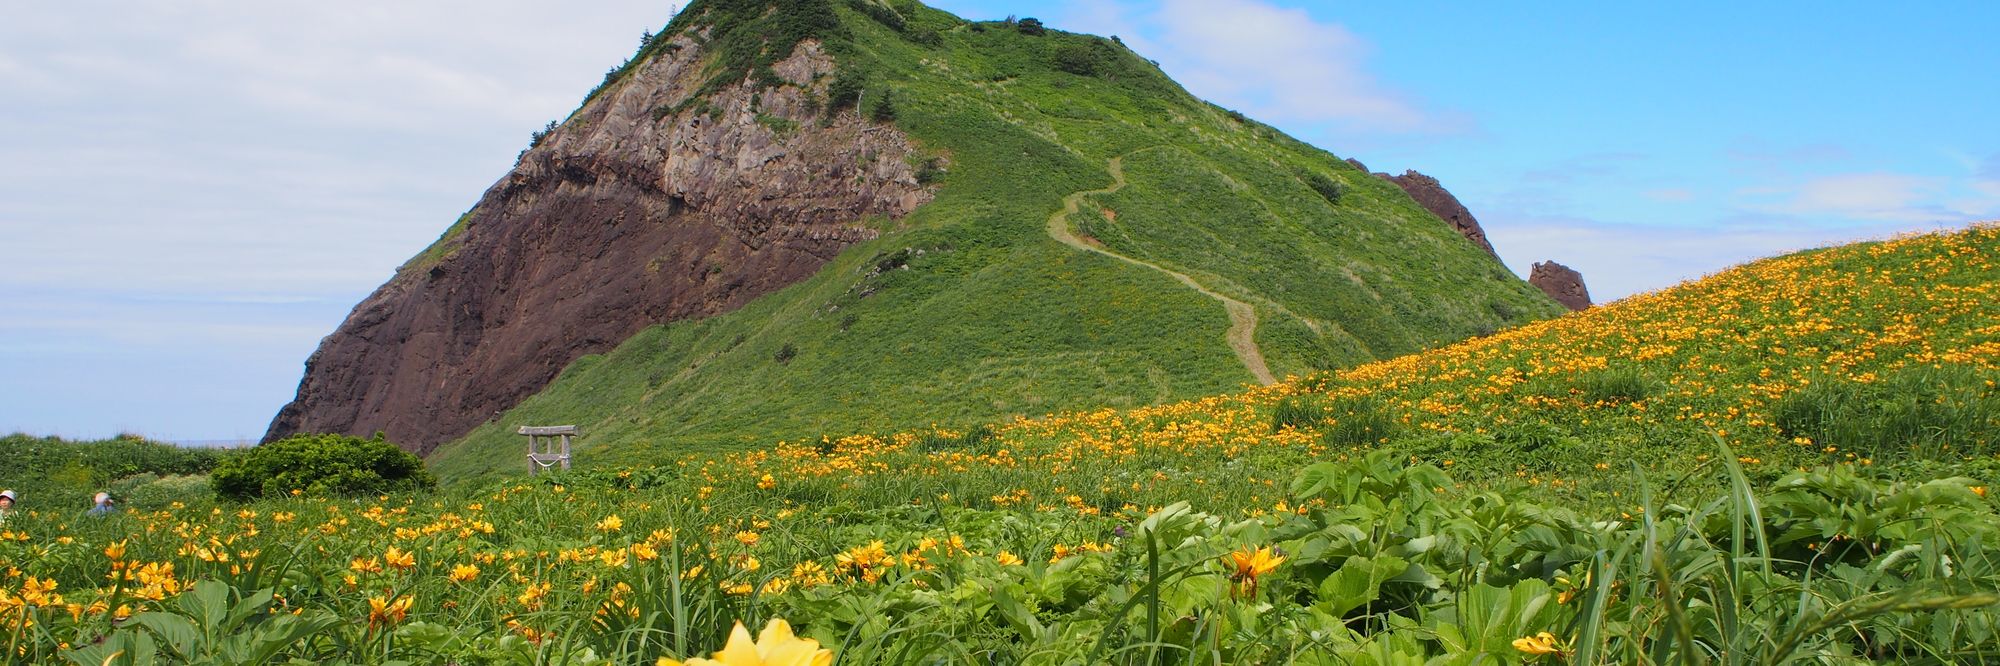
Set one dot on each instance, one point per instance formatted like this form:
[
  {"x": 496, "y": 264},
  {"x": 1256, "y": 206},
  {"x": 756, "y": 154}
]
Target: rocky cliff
[
  {"x": 656, "y": 201},
  {"x": 1561, "y": 283},
  {"x": 1430, "y": 194}
]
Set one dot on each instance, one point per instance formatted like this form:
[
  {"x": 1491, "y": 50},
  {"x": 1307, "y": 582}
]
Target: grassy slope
[
  {"x": 995, "y": 319},
  {"x": 895, "y": 550},
  {"x": 1875, "y": 354}
]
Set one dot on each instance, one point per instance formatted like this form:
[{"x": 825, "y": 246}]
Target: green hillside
[{"x": 972, "y": 309}]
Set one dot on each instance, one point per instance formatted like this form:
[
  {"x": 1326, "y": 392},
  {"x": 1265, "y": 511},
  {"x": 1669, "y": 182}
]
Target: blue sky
[{"x": 195, "y": 192}]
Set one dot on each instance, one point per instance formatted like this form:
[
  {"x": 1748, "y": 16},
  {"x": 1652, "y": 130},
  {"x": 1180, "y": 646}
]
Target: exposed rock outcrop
[
  {"x": 1434, "y": 198},
  {"x": 643, "y": 208},
  {"x": 1561, "y": 283},
  {"x": 1430, "y": 194}
]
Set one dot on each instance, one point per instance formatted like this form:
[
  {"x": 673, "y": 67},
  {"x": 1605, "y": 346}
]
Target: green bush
[
  {"x": 321, "y": 465},
  {"x": 1075, "y": 58},
  {"x": 885, "y": 108},
  {"x": 1329, "y": 188},
  {"x": 845, "y": 90}
]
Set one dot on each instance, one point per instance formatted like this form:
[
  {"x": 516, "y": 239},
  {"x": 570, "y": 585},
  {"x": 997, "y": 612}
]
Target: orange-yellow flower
[
  {"x": 385, "y": 613},
  {"x": 775, "y": 646},
  {"x": 399, "y": 559},
  {"x": 611, "y": 523},
  {"x": 463, "y": 573},
  {"x": 1249, "y": 565},
  {"x": 1540, "y": 644}
]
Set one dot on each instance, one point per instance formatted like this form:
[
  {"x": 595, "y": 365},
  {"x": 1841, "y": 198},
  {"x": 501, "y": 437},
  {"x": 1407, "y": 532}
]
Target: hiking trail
[{"x": 1242, "y": 335}]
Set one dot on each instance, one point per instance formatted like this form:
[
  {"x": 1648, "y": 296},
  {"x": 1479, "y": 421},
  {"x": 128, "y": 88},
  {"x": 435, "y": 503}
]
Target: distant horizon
[{"x": 200, "y": 193}]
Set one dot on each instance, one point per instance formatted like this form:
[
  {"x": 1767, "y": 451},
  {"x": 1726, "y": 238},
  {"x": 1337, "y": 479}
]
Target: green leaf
[
  {"x": 181, "y": 636},
  {"x": 1358, "y": 582},
  {"x": 1018, "y": 616}
]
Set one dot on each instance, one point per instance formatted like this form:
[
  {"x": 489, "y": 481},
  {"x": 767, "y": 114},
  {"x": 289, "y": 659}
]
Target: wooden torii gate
[{"x": 542, "y": 446}]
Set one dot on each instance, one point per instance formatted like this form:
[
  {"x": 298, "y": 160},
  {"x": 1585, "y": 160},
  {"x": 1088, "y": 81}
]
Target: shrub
[
  {"x": 885, "y": 108},
  {"x": 1078, "y": 59},
  {"x": 1031, "y": 27},
  {"x": 844, "y": 91},
  {"x": 326, "y": 464},
  {"x": 1332, "y": 189},
  {"x": 931, "y": 171},
  {"x": 785, "y": 354}
]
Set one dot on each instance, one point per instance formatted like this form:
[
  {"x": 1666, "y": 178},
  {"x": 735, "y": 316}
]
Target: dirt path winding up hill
[{"x": 1242, "y": 318}]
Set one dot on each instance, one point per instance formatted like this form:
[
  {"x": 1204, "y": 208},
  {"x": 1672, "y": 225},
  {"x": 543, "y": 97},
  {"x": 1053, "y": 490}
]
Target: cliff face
[
  {"x": 1561, "y": 283},
  {"x": 1433, "y": 197},
  {"x": 1430, "y": 194},
  {"x": 642, "y": 208}
]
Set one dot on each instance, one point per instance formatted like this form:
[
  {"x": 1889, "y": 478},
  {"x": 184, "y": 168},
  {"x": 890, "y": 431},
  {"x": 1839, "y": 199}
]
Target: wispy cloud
[
  {"x": 1866, "y": 196},
  {"x": 1619, "y": 260},
  {"x": 1669, "y": 194},
  {"x": 1761, "y": 152},
  {"x": 1881, "y": 197},
  {"x": 1276, "y": 64}
]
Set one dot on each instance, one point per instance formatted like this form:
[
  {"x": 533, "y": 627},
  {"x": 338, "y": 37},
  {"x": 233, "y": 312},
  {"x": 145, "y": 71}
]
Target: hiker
[
  {"x": 6, "y": 505},
  {"x": 103, "y": 506}
]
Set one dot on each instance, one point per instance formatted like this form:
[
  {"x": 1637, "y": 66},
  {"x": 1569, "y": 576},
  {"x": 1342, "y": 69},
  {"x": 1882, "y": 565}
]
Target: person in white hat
[
  {"x": 6, "y": 504},
  {"x": 102, "y": 506}
]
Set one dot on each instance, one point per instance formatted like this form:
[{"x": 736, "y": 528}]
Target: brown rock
[
  {"x": 618, "y": 220},
  {"x": 1561, "y": 283},
  {"x": 1434, "y": 198}
]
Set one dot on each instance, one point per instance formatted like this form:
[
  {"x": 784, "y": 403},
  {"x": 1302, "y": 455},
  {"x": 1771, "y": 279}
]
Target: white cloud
[
  {"x": 1619, "y": 260},
  {"x": 264, "y": 165},
  {"x": 1986, "y": 180},
  {"x": 1274, "y": 64},
  {"x": 1866, "y": 196},
  {"x": 1670, "y": 194}
]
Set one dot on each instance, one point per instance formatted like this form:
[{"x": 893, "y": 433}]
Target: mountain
[{"x": 787, "y": 218}]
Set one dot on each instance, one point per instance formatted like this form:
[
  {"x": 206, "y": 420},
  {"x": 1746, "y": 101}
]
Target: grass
[
  {"x": 1577, "y": 491},
  {"x": 985, "y": 318},
  {"x": 55, "y": 474}
]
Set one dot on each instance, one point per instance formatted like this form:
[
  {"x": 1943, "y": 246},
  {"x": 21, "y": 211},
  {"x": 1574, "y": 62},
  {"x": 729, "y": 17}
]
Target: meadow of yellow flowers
[{"x": 1784, "y": 461}]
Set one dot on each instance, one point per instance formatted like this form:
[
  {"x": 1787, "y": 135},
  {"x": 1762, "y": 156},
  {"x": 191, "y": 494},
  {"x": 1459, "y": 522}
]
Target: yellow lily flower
[{"x": 775, "y": 646}]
